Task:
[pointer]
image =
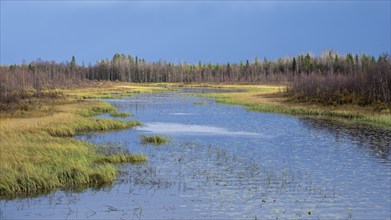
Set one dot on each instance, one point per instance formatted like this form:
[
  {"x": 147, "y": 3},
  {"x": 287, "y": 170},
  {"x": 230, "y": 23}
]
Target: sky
[{"x": 190, "y": 31}]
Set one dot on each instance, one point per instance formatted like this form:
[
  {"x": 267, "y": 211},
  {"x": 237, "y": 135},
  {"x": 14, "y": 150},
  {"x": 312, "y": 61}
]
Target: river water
[{"x": 229, "y": 163}]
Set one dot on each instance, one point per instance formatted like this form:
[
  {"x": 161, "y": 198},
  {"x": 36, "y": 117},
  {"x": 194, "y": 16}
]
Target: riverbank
[
  {"x": 272, "y": 98},
  {"x": 38, "y": 151}
]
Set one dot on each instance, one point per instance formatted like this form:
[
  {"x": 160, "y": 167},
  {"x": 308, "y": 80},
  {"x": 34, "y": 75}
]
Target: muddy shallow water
[{"x": 226, "y": 162}]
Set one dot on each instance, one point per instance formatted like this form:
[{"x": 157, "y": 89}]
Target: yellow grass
[
  {"x": 38, "y": 152},
  {"x": 271, "y": 98},
  {"x": 106, "y": 89}
]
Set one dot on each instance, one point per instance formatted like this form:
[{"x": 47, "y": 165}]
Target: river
[{"x": 226, "y": 162}]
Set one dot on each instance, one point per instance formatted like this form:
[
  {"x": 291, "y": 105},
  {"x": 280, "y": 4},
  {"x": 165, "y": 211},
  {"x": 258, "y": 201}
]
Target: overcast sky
[{"x": 177, "y": 31}]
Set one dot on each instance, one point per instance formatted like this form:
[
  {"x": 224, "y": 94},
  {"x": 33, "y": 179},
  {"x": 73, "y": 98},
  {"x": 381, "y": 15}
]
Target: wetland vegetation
[
  {"x": 273, "y": 98},
  {"x": 39, "y": 153},
  {"x": 120, "y": 114},
  {"x": 351, "y": 86},
  {"x": 236, "y": 164},
  {"x": 155, "y": 139},
  {"x": 44, "y": 105}
]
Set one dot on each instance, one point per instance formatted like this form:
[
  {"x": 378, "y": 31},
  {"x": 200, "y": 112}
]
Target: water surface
[{"x": 225, "y": 162}]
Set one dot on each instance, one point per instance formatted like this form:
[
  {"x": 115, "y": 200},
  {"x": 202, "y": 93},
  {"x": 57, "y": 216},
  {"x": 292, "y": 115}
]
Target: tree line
[{"x": 329, "y": 78}]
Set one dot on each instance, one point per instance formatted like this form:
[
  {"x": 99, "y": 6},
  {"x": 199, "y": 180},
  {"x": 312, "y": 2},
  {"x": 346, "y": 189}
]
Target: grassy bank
[
  {"x": 39, "y": 153},
  {"x": 269, "y": 98},
  {"x": 108, "y": 89}
]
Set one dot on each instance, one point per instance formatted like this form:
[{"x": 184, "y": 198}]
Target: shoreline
[
  {"x": 271, "y": 99},
  {"x": 39, "y": 153}
]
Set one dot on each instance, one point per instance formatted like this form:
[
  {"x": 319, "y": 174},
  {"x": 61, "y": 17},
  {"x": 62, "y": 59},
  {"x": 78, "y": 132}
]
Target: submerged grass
[
  {"x": 271, "y": 99},
  {"x": 199, "y": 103},
  {"x": 38, "y": 152},
  {"x": 123, "y": 158},
  {"x": 156, "y": 139},
  {"x": 116, "y": 153}
]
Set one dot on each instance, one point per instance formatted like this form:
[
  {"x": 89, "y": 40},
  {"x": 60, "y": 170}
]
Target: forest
[{"x": 330, "y": 78}]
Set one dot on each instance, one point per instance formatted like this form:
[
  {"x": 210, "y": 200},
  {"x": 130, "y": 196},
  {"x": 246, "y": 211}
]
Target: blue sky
[{"x": 178, "y": 31}]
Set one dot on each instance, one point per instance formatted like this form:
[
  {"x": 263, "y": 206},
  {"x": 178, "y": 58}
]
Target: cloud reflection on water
[{"x": 189, "y": 129}]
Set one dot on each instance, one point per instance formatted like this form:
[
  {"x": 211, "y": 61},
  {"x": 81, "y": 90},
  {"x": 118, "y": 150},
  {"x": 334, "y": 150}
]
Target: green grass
[
  {"x": 40, "y": 163},
  {"x": 97, "y": 109},
  {"x": 102, "y": 109},
  {"x": 123, "y": 158},
  {"x": 116, "y": 153},
  {"x": 119, "y": 114},
  {"x": 39, "y": 153},
  {"x": 155, "y": 140}
]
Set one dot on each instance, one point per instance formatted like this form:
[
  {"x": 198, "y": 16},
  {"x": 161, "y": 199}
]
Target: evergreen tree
[
  {"x": 73, "y": 63},
  {"x": 294, "y": 65}
]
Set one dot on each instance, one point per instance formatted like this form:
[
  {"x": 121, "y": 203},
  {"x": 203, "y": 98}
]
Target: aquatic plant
[
  {"x": 156, "y": 139},
  {"x": 199, "y": 103},
  {"x": 117, "y": 153},
  {"x": 122, "y": 158}
]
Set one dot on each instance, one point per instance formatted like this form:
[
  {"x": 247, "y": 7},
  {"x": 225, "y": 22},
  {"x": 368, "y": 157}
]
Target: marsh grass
[
  {"x": 120, "y": 114},
  {"x": 155, "y": 140},
  {"x": 39, "y": 153},
  {"x": 102, "y": 108},
  {"x": 117, "y": 153},
  {"x": 123, "y": 158},
  {"x": 272, "y": 99},
  {"x": 112, "y": 90},
  {"x": 39, "y": 162}
]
